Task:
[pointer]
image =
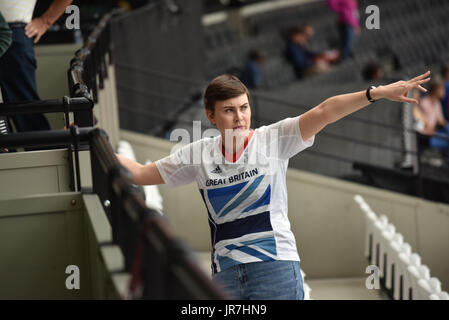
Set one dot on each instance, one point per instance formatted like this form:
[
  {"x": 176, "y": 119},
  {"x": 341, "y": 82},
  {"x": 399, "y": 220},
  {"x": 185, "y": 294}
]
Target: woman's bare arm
[
  {"x": 337, "y": 107},
  {"x": 142, "y": 174}
]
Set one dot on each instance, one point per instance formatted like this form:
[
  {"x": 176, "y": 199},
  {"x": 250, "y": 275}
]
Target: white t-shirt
[
  {"x": 246, "y": 200},
  {"x": 17, "y": 10}
]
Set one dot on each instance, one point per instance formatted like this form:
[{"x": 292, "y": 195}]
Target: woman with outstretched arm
[{"x": 241, "y": 176}]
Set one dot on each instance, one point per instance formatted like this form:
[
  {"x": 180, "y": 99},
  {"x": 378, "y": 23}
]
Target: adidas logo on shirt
[{"x": 216, "y": 170}]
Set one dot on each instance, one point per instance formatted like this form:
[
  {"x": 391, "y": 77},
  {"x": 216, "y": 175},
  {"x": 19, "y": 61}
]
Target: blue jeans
[
  {"x": 18, "y": 80},
  {"x": 440, "y": 143},
  {"x": 266, "y": 280},
  {"x": 346, "y": 37}
]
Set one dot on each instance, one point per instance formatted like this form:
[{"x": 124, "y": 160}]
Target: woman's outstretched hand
[{"x": 398, "y": 91}]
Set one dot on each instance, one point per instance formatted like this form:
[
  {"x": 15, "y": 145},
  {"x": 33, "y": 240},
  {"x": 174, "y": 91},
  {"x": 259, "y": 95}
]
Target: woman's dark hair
[{"x": 222, "y": 88}]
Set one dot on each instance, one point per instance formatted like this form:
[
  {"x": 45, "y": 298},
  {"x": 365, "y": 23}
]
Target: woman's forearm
[
  {"x": 142, "y": 174},
  {"x": 340, "y": 106},
  {"x": 133, "y": 167},
  {"x": 337, "y": 107}
]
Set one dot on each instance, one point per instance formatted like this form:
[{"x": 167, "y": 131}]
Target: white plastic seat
[
  {"x": 430, "y": 287},
  {"x": 306, "y": 287},
  {"x": 415, "y": 263},
  {"x": 405, "y": 261},
  {"x": 417, "y": 273},
  {"x": 435, "y": 284},
  {"x": 424, "y": 271},
  {"x": 443, "y": 295},
  {"x": 405, "y": 250},
  {"x": 307, "y": 291},
  {"x": 125, "y": 149},
  {"x": 393, "y": 250},
  {"x": 302, "y": 273},
  {"x": 359, "y": 199},
  {"x": 153, "y": 198},
  {"x": 379, "y": 227},
  {"x": 385, "y": 239},
  {"x": 370, "y": 220}
]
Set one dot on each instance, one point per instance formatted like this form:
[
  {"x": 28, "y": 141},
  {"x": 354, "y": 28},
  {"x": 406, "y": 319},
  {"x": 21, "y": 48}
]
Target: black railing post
[{"x": 418, "y": 166}]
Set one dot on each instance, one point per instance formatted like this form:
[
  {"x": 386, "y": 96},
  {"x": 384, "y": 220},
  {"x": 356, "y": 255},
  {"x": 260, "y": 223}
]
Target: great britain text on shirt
[{"x": 233, "y": 178}]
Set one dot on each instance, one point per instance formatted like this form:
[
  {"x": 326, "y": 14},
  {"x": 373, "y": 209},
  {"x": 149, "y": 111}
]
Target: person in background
[
  {"x": 5, "y": 42},
  {"x": 5, "y": 35},
  {"x": 429, "y": 113},
  {"x": 252, "y": 74},
  {"x": 305, "y": 61},
  {"x": 18, "y": 64},
  {"x": 348, "y": 23},
  {"x": 445, "y": 100},
  {"x": 241, "y": 176},
  {"x": 372, "y": 72}
]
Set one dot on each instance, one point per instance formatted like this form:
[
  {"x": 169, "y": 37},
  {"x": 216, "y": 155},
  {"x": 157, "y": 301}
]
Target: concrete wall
[
  {"x": 327, "y": 223},
  {"x": 53, "y": 61},
  {"x": 39, "y": 237},
  {"x": 33, "y": 172},
  {"x": 44, "y": 227}
]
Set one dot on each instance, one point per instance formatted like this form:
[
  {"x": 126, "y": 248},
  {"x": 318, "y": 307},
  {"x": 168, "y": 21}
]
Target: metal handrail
[{"x": 46, "y": 106}]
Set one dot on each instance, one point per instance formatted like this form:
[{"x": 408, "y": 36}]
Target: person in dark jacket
[
  {"x": 252, "y": 74},
  {"x": 305, "y": 61}
]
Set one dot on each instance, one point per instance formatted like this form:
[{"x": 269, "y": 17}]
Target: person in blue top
[
  {"x": 445, "y": 101},
  {"x": 305, "y": 61},
  {"x": 252, "y": 74}
]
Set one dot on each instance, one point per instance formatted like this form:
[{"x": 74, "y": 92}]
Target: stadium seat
[
  {"x": 406, "y": 260},
  {"x": 306, "y": 287},
  {"x": 125, "y": 149},
  {"x": 307, "y": 291},
  {"x": 379, "y": 227},
  {"x": 153, "y": 198},
  {"x": 393, "y": 250},
  {"x": 387, "y": 237},
  {"x": 430, "y": 287},
  {"x": 435, "y": 284},
  {"x": 443, "y": 295},
  {"x": 370, "y": 220},
  {"x": 417, "y": 273},
  {"x": 405, "y": 250}
]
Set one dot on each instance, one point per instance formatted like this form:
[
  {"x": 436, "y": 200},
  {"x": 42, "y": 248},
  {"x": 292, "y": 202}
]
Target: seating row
[{"x": 401, "y": 271}]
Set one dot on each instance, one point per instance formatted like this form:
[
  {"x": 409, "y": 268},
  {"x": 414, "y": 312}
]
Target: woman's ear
[{"x": 210, "y": 116}]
